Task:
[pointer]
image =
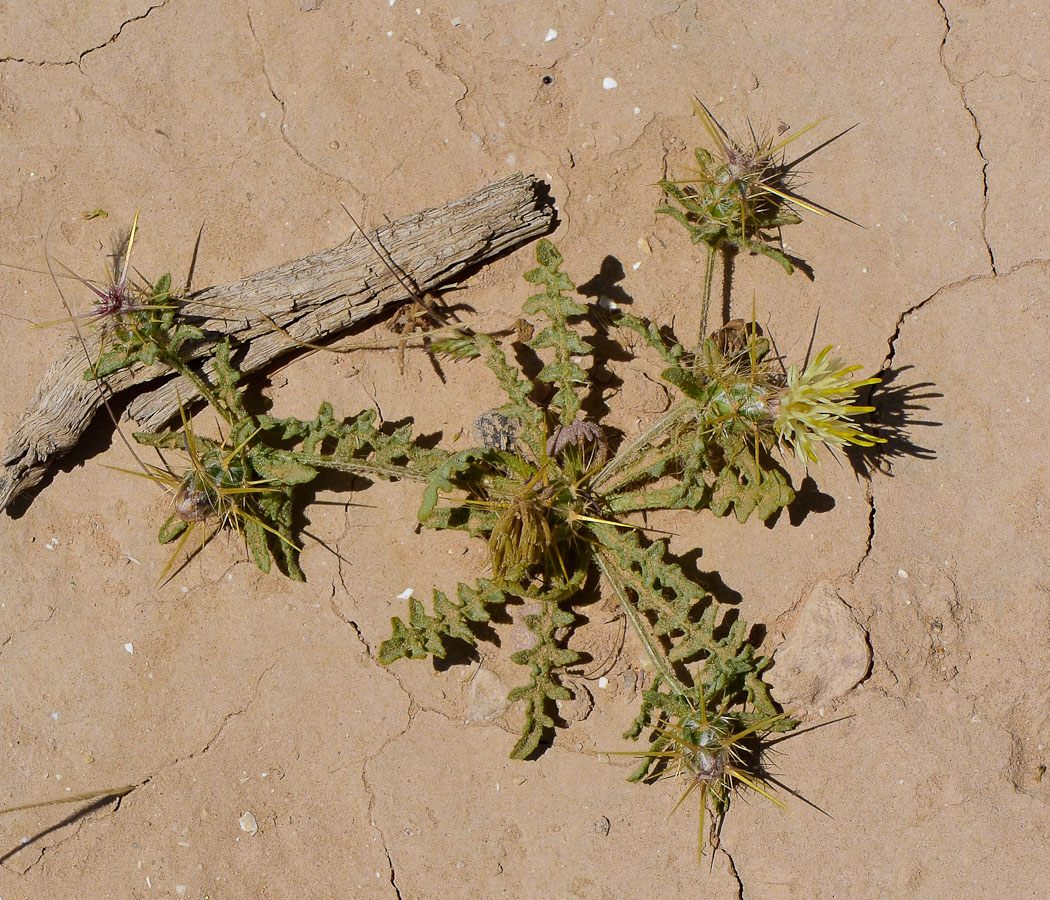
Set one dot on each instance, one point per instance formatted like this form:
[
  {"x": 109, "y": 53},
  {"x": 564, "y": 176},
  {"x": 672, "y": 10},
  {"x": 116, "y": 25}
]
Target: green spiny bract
[
  {"x": 712, "y": 747},
  {"x": 739, "y": 194}
]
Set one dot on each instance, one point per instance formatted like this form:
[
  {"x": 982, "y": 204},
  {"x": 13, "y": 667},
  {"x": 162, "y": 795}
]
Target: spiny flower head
[
  {"x": 714, "y": 751},
  {"x": 816, "y": 407}
]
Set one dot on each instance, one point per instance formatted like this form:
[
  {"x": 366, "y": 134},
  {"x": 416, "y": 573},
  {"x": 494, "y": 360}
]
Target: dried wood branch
[{"x": 311, "y": 300}]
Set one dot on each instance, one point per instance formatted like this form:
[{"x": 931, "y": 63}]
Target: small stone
[
  {"x": 577, "y": 708},
  {"x": 608, "y": 83},
  {"x": 493, "y": 428},
  {"x": 248, "y": 823},
  {"x": 522, "y": 637},
  {"x": 487, "y": 698},
  {"x": 602, "y": 826},
  {"x": 551, "y": 35},
  {"x": 824, "y": 656}
]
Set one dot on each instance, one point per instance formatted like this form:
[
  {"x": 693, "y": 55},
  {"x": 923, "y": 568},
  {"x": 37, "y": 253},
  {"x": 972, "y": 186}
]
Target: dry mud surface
[{"x": 225, "y": 692}]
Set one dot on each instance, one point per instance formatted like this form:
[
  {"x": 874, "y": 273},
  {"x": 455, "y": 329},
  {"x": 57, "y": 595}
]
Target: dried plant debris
[{"x": 271, "y": 314}]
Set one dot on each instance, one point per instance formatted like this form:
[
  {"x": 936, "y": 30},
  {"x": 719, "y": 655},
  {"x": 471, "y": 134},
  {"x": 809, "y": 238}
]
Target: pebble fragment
[
  {"x": 608, "y": 83},
  {"x": 248, "y": 823},
  {"x": 487, "y": 698}
]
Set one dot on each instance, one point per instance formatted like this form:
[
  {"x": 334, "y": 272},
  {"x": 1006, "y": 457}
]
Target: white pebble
[
  {"x": 551, "y": 35},
  {"x": 608, "y": 83},
  {"x": 130, "y": 648},
  {"x": 603, "y": 682},
  {"x": 902, "y": 573},
  {"x": 248, "y": 823},
  {"x": 406, "y": 593}
]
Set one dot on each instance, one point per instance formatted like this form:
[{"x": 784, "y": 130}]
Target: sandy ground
[{"x": 232, "y": 692}]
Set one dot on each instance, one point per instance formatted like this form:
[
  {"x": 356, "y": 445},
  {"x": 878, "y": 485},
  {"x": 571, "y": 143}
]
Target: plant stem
[
  {"x": 709, "y": 277},
  {"x": 359, "y": 467},
  {"x": 640, "y": 626},
  {"x": 628, "y": 452},
  {"x": 202, "y": 385}
]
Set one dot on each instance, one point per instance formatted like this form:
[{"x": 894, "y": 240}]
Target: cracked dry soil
[{"x": 224, "y": 692}]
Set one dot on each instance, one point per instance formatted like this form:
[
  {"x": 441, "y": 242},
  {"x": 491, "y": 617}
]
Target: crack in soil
[
  {"x": 116, "y": 35},
  {"x": 77, "y": 817},
  {"x": 414, "y": 706},
  {"x": 230, "y": 715},
  {"x": 977, "y": 127},
  {"x": 371, "y": 794},
  {"x": 342, "y": 179},
  {"x": 32, "y": 626},
  {"x": 870, "y": 539},
  {"x": 735, "y": 873},
  {"x": 393, "y": 878},
  {"x": 80, "y": 56}
]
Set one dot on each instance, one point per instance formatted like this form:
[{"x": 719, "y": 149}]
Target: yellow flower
[{"x": 815, "y": 407}]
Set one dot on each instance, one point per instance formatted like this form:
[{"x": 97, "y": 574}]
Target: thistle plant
[
  {"x": 815, "y": 407},
  {"x": 713, "y": 750},
  {"x": 554, "y": 497},
  {"x": 551, "y": 500}
]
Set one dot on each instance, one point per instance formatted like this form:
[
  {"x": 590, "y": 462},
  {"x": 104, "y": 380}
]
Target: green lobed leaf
[{"x": 425, "y": 635}]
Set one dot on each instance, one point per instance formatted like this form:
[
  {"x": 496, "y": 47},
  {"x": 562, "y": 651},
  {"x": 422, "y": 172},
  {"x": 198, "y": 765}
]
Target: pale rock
[
  {"x": 248, "y": 823},
  {"x": 825, "y": 655},
  {"x": 487, "y": 697}
]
